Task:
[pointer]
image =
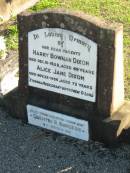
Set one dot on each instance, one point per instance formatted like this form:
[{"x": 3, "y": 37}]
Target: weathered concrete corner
[
  {"x": 8, "y": 72},
  {"x": 13, "y": 7},
  {"x": 123, "y": 114}
]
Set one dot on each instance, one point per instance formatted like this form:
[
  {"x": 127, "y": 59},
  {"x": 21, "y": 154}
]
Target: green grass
[
  {"x": 41, "y": 5},
  {"x": 112, "y": 10}
]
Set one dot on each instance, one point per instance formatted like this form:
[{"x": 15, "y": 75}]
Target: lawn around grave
[{"x": 112, "y": 10}]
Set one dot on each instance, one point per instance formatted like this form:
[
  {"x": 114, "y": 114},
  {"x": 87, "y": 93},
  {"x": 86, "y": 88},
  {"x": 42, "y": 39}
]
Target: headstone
[{"x": 71, "y": 73}]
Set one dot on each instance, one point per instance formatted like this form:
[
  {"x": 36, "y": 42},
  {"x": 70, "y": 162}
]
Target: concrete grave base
[
  {"x": 8, "y": 73},
  {"x": 110, "y": 131}
]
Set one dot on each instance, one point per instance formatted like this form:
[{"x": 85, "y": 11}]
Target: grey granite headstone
[{"x": 71, "y": 64}]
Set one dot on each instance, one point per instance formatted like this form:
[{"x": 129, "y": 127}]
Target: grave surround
[
  {"x": 109, "y": 71},
  {"x": 8, "y": 73}
]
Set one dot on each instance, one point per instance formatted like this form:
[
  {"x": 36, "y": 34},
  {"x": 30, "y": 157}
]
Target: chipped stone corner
[{"x": 9, "y": 82}]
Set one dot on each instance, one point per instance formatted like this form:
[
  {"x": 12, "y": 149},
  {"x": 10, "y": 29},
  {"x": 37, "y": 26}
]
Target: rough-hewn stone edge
[
  {"x": 101, "y": 23},
  {"x": 118, "y": 76}
]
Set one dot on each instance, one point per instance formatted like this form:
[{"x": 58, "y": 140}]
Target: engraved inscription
[
  {"x": 58, "y": 122},
  {"x": 62, "y": 61}
]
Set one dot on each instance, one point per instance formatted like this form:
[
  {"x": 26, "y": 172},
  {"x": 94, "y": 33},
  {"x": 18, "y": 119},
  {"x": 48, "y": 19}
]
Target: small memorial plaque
[
  {"x": 62, "y": 61},
  {"x": 58, "y": 122}
]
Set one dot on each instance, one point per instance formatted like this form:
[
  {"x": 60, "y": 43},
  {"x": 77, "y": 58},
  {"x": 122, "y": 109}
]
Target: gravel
[{"x": 28, "y": 149}]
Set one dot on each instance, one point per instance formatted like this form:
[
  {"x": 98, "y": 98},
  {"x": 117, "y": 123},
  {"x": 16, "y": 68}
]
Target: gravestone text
[{"x": 62, "y": 61}]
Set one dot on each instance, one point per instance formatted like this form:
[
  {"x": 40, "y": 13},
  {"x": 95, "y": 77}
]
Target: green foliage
[
  {"x": 41, "y": 5},
  {"x": 115, "y": 10},
  {"x": 1, "y": 19},
  {"x": 12, "y": 37},
  {"x": 1, "y": 54}
]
